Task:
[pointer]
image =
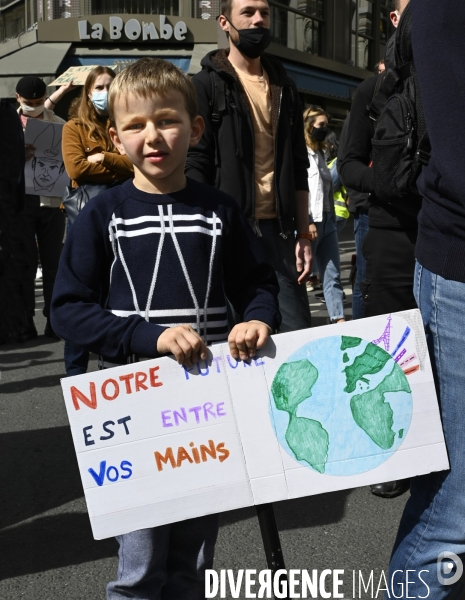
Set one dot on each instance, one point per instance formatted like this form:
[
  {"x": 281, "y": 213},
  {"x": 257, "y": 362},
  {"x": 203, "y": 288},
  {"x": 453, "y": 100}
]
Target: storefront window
[
  {"x": 135, "y": 7},
  {"x": 361, "y": 49},
  {"x": 384, "y": 22},
  {"x": 298, "y": 24}
]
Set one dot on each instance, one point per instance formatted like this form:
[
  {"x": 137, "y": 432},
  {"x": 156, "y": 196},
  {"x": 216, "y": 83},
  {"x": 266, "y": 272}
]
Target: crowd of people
[{"x": 232, "y": 149}]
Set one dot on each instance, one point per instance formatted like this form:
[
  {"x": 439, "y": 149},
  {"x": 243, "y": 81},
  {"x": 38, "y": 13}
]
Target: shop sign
[{"x": 133, "y": 30}]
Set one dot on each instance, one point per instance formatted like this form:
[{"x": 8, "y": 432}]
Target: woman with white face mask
[{"x": 90, "y": 158}]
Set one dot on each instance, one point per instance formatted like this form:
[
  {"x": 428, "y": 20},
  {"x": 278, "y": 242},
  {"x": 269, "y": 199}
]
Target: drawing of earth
[{"x": 340, "y": 405}]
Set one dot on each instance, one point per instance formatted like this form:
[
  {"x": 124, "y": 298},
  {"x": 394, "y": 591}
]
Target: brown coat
[{"x": 77, "y": 147}]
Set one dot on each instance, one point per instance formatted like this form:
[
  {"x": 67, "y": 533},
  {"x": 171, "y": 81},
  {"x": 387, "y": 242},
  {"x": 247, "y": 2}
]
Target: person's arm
[
  {"x": 118, "y": 164},
  {"x": 81, "y": 287},
  {"x": 303, "y": 249},
  {"x": 355, "y": 172},
  {"x": 58, "y": 94},
  {"x": 438, "y": 47},
  {"x": 200, "y": 162},
  {"x": 76, "y": 164}
]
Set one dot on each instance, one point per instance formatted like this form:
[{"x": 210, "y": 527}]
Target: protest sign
[
  {"x": 316, "y": 411},
  {"x": 45, "y": 173},
  {"x": 77, "y": 75}
]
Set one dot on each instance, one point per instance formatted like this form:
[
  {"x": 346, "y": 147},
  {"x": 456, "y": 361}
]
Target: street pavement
[{"x": 46, "y": 547}]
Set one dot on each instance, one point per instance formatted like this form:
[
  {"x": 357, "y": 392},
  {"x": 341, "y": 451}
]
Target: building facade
[{"x": 327, "y": 46}]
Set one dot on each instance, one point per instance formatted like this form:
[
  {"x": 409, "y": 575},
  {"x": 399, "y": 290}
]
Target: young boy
[{"x": 146, "y": 270}]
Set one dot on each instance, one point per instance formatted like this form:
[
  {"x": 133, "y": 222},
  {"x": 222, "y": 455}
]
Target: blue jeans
[
  {"x": 434, "y": 517},
  {"x": 340, "y": 224},
  {"x": 326, "y": 255},
  {"x": 167, "y": 562},
  {"x": 360, "y": 231}
]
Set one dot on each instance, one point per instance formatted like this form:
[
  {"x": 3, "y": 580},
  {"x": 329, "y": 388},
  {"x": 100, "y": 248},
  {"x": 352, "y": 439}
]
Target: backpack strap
[
  {"x": 386, "y": 86},
  {"x": 218, "y": 106},
  {"x": 218, "y": 103}
]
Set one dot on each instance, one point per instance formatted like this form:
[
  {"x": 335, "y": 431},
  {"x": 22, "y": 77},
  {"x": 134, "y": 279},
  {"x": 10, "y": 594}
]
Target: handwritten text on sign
[{"x": 158, "y": 443}]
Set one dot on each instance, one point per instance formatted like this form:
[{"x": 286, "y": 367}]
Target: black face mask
[
  {"x": 252, "y": 42},
  {"x": 319, "y": 134}
]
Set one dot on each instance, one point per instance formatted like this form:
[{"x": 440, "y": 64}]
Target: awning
[
  {"x": 308, "y": 79},
  {"x": 114, "y": 59},
  {"x": 38, "y": 59},
  {"x": 42, "y": 60}
]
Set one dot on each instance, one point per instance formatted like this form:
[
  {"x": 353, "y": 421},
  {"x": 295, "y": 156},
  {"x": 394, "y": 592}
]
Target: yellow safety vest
[{"x": 340, "y": 206}]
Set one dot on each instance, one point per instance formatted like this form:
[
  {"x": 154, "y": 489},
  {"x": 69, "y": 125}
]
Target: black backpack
[{"x": 400, "y": 146}]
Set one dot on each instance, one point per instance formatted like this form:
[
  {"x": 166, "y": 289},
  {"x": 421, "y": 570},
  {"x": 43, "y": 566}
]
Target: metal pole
[{"x": 271, "y": 541}]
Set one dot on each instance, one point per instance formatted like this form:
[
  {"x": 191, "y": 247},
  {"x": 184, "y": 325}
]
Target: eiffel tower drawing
[{"x": 386, "y": 337}]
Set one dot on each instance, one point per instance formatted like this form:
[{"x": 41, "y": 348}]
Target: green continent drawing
[
  {"x": 293, "y": 384},
  {"x": 350, "y": 342},
  {"x": 307, "y": 439},
  {"x": 372, "y": 361},
  {"x": 373, "y": 414}
]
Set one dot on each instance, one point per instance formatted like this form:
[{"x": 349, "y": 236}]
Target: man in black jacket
[
  {"x": 389, "y": 245},
  {"x": 12, "y": 301},
  {"x": 253, "y": 148}
]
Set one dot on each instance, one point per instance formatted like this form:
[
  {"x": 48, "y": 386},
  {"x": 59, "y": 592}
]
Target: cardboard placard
[
  {"x": 317, "y": 410},
  {"x": 45, "y": 173},
  {"x": 77, "y": 75}
]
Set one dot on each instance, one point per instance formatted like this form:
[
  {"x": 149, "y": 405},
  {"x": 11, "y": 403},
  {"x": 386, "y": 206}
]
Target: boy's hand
[
  {"x": 184, "y": 342},
  {"x": 246, "y": 338}
]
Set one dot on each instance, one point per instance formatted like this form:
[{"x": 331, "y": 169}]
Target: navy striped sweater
[{"x": 135, "y": 263}]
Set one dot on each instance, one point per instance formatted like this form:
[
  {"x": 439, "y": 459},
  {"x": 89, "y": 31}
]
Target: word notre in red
[{"x": 110, "y": 388}]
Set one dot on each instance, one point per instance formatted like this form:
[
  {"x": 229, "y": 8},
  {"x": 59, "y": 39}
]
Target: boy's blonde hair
[{"x": 149, "y": 76}]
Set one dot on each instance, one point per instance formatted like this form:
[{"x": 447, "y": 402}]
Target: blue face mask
[{"x": 100, "y": 101}]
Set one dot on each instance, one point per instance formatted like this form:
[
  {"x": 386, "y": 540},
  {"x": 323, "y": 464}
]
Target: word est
[
  {"x": 110, "y": 388},
  {"x": 106, "y": 428},
  {"x": 112, "y": 473},
  {"x": 199, "y": 455}
]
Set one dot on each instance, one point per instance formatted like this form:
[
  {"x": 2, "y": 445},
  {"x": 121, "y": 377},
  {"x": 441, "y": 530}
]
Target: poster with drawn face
[{"x": 45, "y": 172}]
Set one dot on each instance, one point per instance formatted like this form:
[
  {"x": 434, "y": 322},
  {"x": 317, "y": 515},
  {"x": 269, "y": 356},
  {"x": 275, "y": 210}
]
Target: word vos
[
  {"x": 198, "y": 455},
  {"x": 110, "y": 388},
  {"x": 112, "y": 473}
]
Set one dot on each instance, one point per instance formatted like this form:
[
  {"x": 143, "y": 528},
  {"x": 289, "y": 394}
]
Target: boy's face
[{"x": 155, "y": 134}]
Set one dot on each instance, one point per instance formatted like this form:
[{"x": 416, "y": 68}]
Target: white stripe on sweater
[
  {"x": 175, "y": 312},
  {"x": 150, "y": 219},
  {"x": 178, "y": 229},
  {"x": 209, "y": 324}
]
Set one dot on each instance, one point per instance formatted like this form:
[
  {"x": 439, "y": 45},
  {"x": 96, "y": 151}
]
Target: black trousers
[
  {"x": 43, "y": 228},
  {"x": 293, "y": 299},
  {"x": 390, "y": 266},
  {"x": 12, "y": 300}
]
